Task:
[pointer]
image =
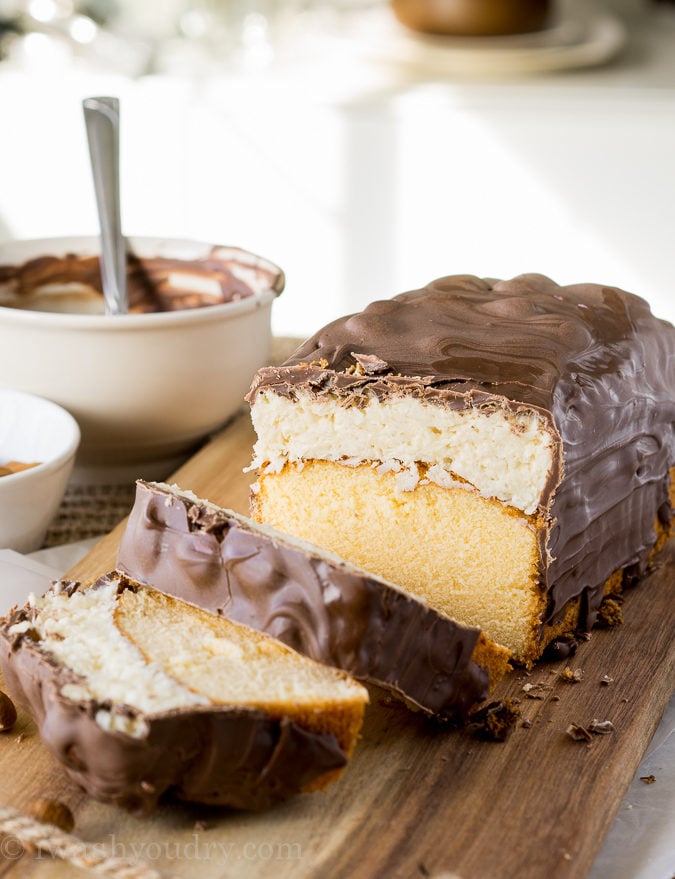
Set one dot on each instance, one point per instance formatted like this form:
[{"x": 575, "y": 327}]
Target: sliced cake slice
[
  {"x": 139, "y": 694},
  {"x": 501, "y": 448},
  {"x": 308, "y": 598}
]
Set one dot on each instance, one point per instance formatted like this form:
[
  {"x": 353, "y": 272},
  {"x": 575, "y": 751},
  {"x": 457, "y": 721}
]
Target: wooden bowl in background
[{"x": 473, "y": 18}]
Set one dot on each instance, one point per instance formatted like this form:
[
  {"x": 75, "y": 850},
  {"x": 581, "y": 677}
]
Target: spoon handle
[{"x": 102, "y": 119}]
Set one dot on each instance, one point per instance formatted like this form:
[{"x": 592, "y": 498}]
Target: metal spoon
[{"x": 102, "y": 119}]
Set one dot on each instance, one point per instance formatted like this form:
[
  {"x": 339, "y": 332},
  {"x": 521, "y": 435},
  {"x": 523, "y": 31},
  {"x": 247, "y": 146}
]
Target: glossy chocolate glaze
[
  {"x": 151, "y": 283},
  {"x": 593, "y": 361},
  {"x": 216, "y": 755},
  {"x": 312, "y": 601}
]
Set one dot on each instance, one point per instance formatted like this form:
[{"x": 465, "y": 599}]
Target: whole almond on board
[
  {"x": 52, "y": 812},
  {"x": 7, "y": 713}
]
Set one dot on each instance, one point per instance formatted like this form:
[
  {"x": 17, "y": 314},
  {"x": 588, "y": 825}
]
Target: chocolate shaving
[
  {"x": 562, "y": 647},
  {"x": 579, "y": 733},
  {"x": 495, "y": 721},
  {"x": 371, "y": 363}
]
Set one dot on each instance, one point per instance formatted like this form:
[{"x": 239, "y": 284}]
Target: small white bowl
[
  {"x": 33, "y": 430},
  {"x": 145, "y": 389}
]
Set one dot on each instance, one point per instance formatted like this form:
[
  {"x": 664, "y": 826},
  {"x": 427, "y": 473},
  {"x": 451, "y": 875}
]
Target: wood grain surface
[{"x": 416, "y": 800}]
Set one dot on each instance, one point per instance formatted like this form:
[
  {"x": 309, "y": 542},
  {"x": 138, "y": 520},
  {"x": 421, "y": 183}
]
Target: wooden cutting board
[{"x": 417, "y": 800}]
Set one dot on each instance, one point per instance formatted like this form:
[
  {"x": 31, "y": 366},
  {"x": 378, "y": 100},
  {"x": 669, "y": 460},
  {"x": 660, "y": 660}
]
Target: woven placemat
[{"x": 89, "y": 511}]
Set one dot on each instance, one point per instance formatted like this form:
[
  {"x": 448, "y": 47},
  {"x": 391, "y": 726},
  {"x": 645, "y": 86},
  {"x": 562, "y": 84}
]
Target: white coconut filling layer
[
  {"x": 502, "y": 454},
  {"x": 80, "y": 632}
]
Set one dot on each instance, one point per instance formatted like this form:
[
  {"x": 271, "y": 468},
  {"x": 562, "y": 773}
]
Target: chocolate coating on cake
[
  {"x": 151, "y": 282},
  {"x": 324, "y": 608},
  {"x": 217, "y": 755},
  {"x": 591, "y": 360}
]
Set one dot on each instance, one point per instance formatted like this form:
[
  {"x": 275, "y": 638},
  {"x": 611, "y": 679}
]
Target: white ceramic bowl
[
  {"x": 144, "y": 388},
  {"x": 33, "y": 430}
]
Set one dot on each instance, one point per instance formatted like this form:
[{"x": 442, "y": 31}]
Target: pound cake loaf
[
  {"x": 139, "y": 694},
  {"x": 502, "y": 449},
  {"x": 308, "y": 598}
]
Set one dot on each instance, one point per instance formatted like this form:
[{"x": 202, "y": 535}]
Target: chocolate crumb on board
[
  {"x": 562, "y": 647},
  {"x": 495, "y": 721},
  {"x": 579, "y": 733},
  {"x": 609, "y": 612},
  {"x": 648, "y": 779}
]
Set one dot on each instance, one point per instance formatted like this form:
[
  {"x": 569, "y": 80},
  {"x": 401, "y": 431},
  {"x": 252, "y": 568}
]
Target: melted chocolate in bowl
[
  {"x": 145, "y": 387},
  {"x": 72, "y": 283}
]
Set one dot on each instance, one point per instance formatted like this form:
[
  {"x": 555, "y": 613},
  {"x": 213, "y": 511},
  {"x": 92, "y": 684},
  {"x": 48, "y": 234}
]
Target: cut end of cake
[{"x": 468, "y": 557}]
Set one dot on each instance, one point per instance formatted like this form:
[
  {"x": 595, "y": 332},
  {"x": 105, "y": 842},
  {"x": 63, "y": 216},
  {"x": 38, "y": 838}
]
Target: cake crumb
[
  {"x": 609, "y": 612},
  {"x": 585, "y": 734},
  {"x": 648, "y": 779},
  {"x": 572, "y": 676},
  {"x": 496, "y": 720},
  {"x": 536, "y": 691},
  {"x": 606, "y": 679},
  {"x": 601, "y": 727}
]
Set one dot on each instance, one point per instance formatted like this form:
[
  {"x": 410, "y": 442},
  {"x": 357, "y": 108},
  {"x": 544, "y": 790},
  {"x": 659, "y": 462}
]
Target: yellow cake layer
[{"x": 471, "y": 557}]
